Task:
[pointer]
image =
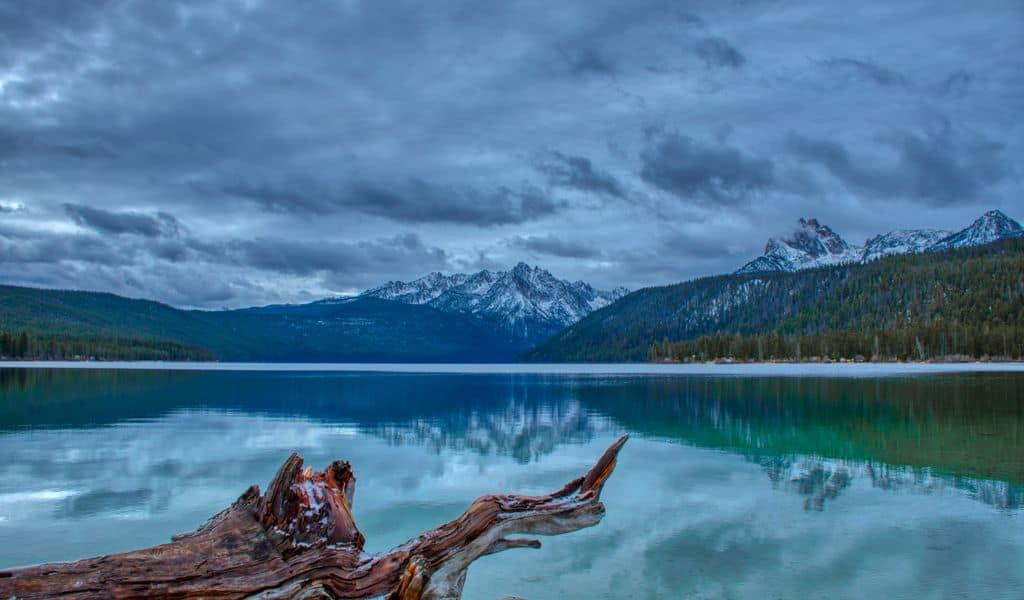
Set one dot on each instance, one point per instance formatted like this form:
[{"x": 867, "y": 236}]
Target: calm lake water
[{"x": 908, "y": 486}]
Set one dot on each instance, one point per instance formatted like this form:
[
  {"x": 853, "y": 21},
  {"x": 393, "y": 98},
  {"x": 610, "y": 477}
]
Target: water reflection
[
  {"x": 732, "y": 487},
  {"x": 963, "y": 425},
  {"x": 900, "y": 432}
]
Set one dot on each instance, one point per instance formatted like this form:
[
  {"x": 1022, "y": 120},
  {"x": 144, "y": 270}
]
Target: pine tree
[{"x": 22, "y": 350}]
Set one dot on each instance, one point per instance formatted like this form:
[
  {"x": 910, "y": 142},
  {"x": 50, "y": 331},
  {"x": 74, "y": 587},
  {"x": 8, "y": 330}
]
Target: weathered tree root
[{"x": 301, "y": 541}]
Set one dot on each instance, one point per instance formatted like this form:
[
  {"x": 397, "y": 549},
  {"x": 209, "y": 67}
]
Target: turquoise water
[{"x": 732, "y": 487}]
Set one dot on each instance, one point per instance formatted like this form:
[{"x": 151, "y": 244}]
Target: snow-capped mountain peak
[
  {"x": 901, "y": 241},
  {"x": 526, "y": 301},
  {"x": 418, "y": 291},
  {"x": 812, "y": 244},
  {"x": 992, "y": 226}
]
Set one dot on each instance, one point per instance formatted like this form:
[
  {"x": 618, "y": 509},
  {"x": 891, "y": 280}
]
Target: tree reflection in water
[{"x": 813, "y": 437}]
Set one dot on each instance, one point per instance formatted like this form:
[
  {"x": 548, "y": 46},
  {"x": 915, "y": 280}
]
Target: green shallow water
[{"x": 731, "y": 487}]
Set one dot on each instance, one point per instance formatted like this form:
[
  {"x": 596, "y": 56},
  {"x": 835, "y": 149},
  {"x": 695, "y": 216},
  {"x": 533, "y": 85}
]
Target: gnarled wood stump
[{"x": 299, "y": 540}]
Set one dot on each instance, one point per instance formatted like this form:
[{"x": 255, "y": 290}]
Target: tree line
[
  {"x": 917, "y": 342},
  {"x": 25, "y": 346}
]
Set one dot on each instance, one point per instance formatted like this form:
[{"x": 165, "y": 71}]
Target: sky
[{"x": 244, "y": 152}]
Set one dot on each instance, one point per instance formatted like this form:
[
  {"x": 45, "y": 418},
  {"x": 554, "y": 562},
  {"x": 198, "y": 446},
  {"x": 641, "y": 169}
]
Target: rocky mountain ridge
[
  {"x": 527, "y": 302},
  {"x": 812, "y": 244}
]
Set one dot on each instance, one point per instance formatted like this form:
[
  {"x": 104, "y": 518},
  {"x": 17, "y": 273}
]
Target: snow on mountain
[
  {"x": 527, "y": 302},
  {"x": 812, "y": 244},
  {"x": 419, "y": 291},
  {"x": 989, "y": 227},
  {"x": 901, "y": 241}
]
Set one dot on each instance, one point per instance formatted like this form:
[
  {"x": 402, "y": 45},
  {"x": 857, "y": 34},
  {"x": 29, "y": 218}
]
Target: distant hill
[
  {"x": 65, "y": 324},
  {"x": 965, "y": 301},
  {"x": 483, "y": 317}
]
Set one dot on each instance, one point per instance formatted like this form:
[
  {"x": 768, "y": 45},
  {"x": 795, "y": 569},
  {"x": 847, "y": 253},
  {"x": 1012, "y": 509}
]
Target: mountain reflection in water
[
  {"x": 811, "y": 436},
  {"x": 741, "y": 487}
]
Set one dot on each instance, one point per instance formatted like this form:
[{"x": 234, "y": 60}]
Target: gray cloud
[
  {"x": 589, "y": 61},
  {"x": 415, "y": 201},
  {"x": 866, "y": 69},
  {"x": 939, "y": 167},
  {"x": 193, "y": 272},
  {"x": 577, "y": 172},
  {"x": 555, "y": 246},
  {"x": 423, "y": 202},
  {"x": 106, "y": 221},
  {"x": 699, "y": 171},
  {"x": 339, "y": 126},
  {"x": 340, "y": 258},
  {"x": 48, "y": 144},
  {"x": 717, "y": 52},
  {"x": 955, "y": 85},
  {"x": 20, "y": 246}
]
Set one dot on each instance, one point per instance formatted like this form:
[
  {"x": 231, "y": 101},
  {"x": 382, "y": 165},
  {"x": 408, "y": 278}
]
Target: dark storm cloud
[
  {"x": 577, "y": 172},
  {"x": 423, "y": 202},
  {"x": 293, "y": 197},
  {"x": 23, "y": 246},
  {"x": 939, "y": 167},
  {"x": 701, "y": 171},
  {"x": 717, "y": 52},
  {"x": 555, "y": 246},
  {"x": 308, "y": 257},
  {"x": 417, "y": 201},
  {"x": 106, "y": 221}
]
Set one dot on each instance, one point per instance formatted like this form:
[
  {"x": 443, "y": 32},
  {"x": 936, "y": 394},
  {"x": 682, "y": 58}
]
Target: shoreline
[{"x": 803, "y": 369}]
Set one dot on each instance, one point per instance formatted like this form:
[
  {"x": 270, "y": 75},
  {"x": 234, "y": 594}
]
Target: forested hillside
[
  {"x": 57, "y": 324},
  {"x": 967, "y": 302}
]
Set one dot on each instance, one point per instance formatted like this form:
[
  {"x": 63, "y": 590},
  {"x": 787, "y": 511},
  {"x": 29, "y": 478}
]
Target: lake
[{"x": 891, "y": 484}]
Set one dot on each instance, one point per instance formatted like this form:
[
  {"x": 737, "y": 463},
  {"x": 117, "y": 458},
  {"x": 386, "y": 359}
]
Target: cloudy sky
[{"x": 224, "y": 154}]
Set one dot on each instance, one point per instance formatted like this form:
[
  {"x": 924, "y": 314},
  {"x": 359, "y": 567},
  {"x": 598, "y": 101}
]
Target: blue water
[{"x": 904, "y": 486}]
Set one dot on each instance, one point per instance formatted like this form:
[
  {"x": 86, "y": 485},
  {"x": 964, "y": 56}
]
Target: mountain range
[
  {"x": 484, "y": 316},
  {"x": 83, "y": 324},
  {"x": 965, "y": 301},
  {"x": 900, "y": 282},
  {"x": 812, "y": 244},
  {"x": 527, "y": 303}
]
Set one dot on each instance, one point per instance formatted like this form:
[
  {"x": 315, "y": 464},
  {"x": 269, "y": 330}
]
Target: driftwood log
[{"x": 299, "y": 540}]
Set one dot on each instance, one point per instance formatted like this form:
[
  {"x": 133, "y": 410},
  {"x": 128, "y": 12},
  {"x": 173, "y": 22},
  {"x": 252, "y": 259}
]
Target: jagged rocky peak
[
  {"x": 527, "y": 274},
  {"x": 527, "y": 301},
  {"x": 418, "y": 291},
  {"x": 901, "y": 241},
  {"x": 817, "y": 239},
  {"x": 813, "y": 244},
  {"x": 990, "y": 227},
  {"x": 810, "y": 244}
]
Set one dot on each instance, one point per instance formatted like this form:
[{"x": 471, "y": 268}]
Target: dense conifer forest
[
  {"x": 959, "y": 304},
  {"x": 22, "y": 346}
]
